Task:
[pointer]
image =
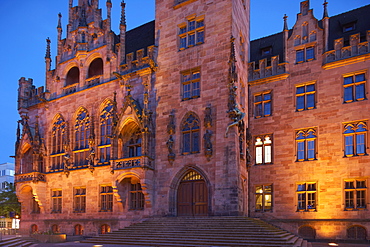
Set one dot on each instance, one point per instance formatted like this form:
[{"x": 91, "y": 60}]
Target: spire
[
  {"x": 123, "y": 15},
  {"x": 325, "y": 10},
  {"x": 47, "y": 55},
  {"x": 59, "y": 27},
  {"x": 109, "y": 11},
  {"x": 59, "y": 21},
  {"x": 285, "y": 23}
]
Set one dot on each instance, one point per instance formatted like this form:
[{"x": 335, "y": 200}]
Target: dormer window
[
  {"x": 266, "y": 51},
  {"x": 349, "y": 27}
]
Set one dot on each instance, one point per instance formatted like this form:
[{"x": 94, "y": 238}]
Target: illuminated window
[
  {"x": 106, "y": 198},
  {"x": 78, "y": 230},
  {"x": 56, "y": 198},
  {"x": 191, "y": 33},
  {"x": 106, "y": 120},
  {"x": 263, "y": 145},
  {"x": 55, "y": 229},
  {"x": 306, "y": 196},
  {"x": 58, "y": 134},
  {"x": 264, "y": 198},
  {"x": 354, "y": 88},
  {"x": 82, "y": 133},
  {"x": 79, "y": 200},
  {"x": 305, "y": 97},
  {"x": 355, "y": 194},
  {"x": 262, "y": 105},
  {"x": 190, "y": 134},
  {"x": 306, "y": 144},
  {"x": 136, "y": 197},
  {"x": 355, "y": 139},
  {"x": 190, "y": 81},
  {"x": 104, "y": 229}
]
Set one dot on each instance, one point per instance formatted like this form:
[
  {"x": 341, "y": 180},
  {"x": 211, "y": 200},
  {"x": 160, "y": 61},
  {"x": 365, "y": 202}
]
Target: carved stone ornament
[
  {"x": 171, "y": 124},
  {"x": 171, "y": 154},
  {"x": 208, "y": 117},
  {"x": 208, "y": 150}
]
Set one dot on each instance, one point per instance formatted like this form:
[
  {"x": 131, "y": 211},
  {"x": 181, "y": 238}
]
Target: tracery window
[
  {"x": 58, "y": 140},
  {"x": 355, "y": 138},
  {"x": 106, "y": 120},
  {"x": 306, "y": 144},
  {"x": 190, "y": 134},
  {"x": 82, "y": 133},
  {"x": 263, "y": 146},
  {"x": 134, "y": 145}
]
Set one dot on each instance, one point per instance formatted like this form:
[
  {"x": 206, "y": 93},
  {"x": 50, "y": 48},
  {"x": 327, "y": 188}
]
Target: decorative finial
[
  {"x": 326, "y": 15},
  {"x": 123, "y": 15},
  {"x": 47, "y": 55},
  {"x": 285, "y": 22},
  {"x": 59, "y": 21}
]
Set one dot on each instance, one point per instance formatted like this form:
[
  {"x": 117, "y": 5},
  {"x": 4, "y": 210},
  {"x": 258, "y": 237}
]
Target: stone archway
[{"x": 192, "y": 195}]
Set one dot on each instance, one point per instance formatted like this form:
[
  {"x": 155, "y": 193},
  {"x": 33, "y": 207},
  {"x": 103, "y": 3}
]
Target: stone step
[
  {"x": 202, "y": 231},
  {"x": 16, "y": 242}
]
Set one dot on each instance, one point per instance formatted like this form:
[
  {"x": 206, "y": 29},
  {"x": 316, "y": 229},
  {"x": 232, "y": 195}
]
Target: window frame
[
  {"x": 79, "y": 199},
  {"x": 81, "y": 138},
  {"x": 106, "y": 124},
  {"x": 305, "y": 96},
  {"x": 194, "y": 83},
  {"x": 57, "y": 201},
  {"x": 192, "y": 29},
  {"x": 303, "y": 138},
  {"x": 260, "y": 105},
  {"x": 105, "y": 198},
  {"x": 190, "y": 134},
  {"x": 351, "y": 133},
  {"x": 351, "y": 188},
  {"x": 303, "y": 51},
  {"x": 58, "y": 136},
  {"x": 304, "y": 196},
  {"x": 137, "y": 200},
  {"x": 263, "y": 147},
  {"x": 262, "y": 193},
  {"x": 354, "y": 85}
]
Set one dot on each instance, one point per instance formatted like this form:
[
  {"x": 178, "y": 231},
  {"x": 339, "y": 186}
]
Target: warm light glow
[{"x": 333, "y": 244}]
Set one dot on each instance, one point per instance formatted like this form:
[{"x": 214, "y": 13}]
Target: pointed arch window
[
  {"x": 58, "y": 134},
  {"x": 73, "y": 76},
  {"x": 82, "y": 133},
  {"x": 95, "y": 68},
  {"x": 134, "y": 145},
  {"x": 106, "y": 121},
  {"x": 355, "y": 139},
  {"x": 190, "y": 134},
  {"x": 306, "y": 144}
]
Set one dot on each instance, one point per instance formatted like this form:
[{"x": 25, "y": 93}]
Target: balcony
[
  {"x": 132, "y": 162},
  {"x": 93, "y": 81},
  {"x": 33, "y": 176}
]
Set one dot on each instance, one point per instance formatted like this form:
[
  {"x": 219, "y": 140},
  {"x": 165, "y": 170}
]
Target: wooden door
[{"x": 192, "y": 198}]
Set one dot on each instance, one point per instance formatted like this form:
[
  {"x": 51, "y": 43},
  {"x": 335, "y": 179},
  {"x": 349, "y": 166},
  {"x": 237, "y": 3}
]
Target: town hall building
[{"x": 184, "y": 116}]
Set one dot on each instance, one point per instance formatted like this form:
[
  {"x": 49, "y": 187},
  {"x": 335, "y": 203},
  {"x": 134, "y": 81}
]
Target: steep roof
[{"x": 140, "y": 37}]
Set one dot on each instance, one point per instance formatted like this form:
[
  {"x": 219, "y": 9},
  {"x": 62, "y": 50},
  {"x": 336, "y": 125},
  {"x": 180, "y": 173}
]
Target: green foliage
[{"x": 9, "y": 201}]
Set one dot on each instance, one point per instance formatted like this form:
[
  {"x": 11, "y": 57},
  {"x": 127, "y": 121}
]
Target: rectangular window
[
  {"x": 79, "y": 200},
  {"x": 263, "y": 198},
  {"x": 262, "y": 105},
  {"x": 305, "y": 54},
  {"x": 191, "y": 33},
  {"x": 106, "y": 198},
  {"x": 300, "y": 56},
  {"x": 136, "y": 197},
  {"x": 306, "y": 196},
  {"x": 35, "y": 206},
  {"x": 354, "y": 88},
  {"x": 306, "y": 144},
  {"x": 190, "y": 81},
  {"x": 56, "y": 198},
  {"x": 355, "y": 194},
  {"x": 355, "y": 138},
  {"x": 305, "y": 96},
  {"x": 263, "y": 147}
]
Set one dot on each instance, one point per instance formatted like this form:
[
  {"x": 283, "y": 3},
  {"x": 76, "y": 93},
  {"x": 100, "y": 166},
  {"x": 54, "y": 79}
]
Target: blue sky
[{"x": 25, "y": 25}]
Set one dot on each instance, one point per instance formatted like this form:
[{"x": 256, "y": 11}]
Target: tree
[{"x": 9, "y": 201}]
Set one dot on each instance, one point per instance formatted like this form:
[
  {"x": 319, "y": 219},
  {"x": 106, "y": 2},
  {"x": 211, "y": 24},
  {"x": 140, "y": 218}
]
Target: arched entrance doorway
[{"x": 192, "y": 195}]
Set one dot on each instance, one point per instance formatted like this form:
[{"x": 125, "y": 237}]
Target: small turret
[
  {"x": 286, "y": 33},
  {"x": 70, "y": 18},
  {"x": 109, "y": 11},
  {"x": 325, "y": 21},
  {"x": 60, "y": 30},
  {"x": 47, "y": 58},
  {"x": 122, "y": 36}
]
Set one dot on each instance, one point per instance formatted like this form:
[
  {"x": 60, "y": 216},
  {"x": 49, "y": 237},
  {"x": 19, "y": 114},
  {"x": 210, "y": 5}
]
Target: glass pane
[
  {"x": 192, "y": 39},
  {"x": 200, "y": 23},
  {"x": 360, "y": 144},
  {"x": 267, "y": 154},
  {"x": 310, "y": 88},
  {"x": 348, "y": 80},
  {"x": 310, "y": 53},
  {"x": 258, "y": 110},
  {"x": 191, "y": 25},
  {"x": 349, "y": 145},
  {"x": 186, "y": 144},
  {"x": 258, "y": 155},
  {"x": 195, "y": 141},
  {"x": 200, "y": 37},
  {"x": 259, "y": 199},
  {"x": 183, "y": 42},
  {"x": 310, "y": 101},
  {"x": 300, "y": 90},
  {"x": 360, "y": 91},
  {"x": 348, "y": 94},
  {"x": 300, "y": 150},
  {"x": 300, "y": 56},
  {"x": 360, "y": 77},
  {"x": 186, "y": 89},
  {"x": 268, "y": 202},
  {"x": 300, "y": 103},
  {"x": 311, "y": 149},
  {"x": 267, "y": 96},
  {"x": 301, "y": 187},
  {"x": 258, "y": 98},
  {"x": 196, "y": 89},
  {"x": 267, "y": 110}
]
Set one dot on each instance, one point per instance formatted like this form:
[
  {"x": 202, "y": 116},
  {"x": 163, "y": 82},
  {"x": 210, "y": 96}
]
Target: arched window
[
  {"x": 78, "y": 230},
  {"x": 190, "y": 134},
  {"x": 82, "y": 133},
  {"x": 104, "y": 229},
  {"x": 34, "y": 228},
  {"x": 106, "y": 120},
  {"x": 307, "y": 232},
  {"x": 73, "y": 76},
  {"x": 95, "y": 68},
  {"x": 58, "y": 134},
  {"x": 131, "y": 140},
  {"x": 356, "y": 232},
  {"x": 55, "y": 228}
]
